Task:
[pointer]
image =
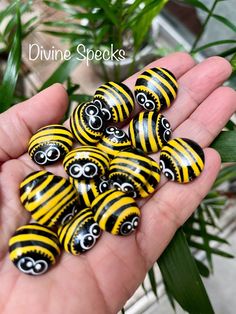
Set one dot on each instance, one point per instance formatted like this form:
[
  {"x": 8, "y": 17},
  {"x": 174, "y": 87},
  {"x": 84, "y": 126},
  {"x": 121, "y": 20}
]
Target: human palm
[{"x": 101, "y": 280}]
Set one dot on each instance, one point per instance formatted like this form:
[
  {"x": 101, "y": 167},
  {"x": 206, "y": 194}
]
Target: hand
[{"x": 102, "y": 280}]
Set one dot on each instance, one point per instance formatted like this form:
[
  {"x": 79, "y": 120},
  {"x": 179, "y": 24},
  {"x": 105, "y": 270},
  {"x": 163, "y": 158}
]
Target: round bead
[
  {"x": 113, "y": 141},
  {"x": 149, "y": 131},
  {"x": 130, "y": 171},
  {"x": 116, "y": 212},
  {"x": 87, "y": 123},
  {"x": 86, "y": 162},
  {"x": 50, "y": 144},
  {"x": 155, "y": 89},
  {"x": 182, "y": 160},
  {"x": 117, "y": 98},
  {"x": 80, "y": 234},
  {"x": 50, "y": 199},
  {"x": 33, "y": 249}
]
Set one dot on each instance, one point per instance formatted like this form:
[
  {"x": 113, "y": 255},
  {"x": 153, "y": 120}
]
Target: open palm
[{"x": 103, "y": 279}]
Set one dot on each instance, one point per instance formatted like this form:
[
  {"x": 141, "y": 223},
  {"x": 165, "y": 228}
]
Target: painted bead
[
  {"x": 80, "y": 234},
  {"x": 33, "y": 249},
  {"x": 87, "y": 123},
  {"x": 113, "y": 141},
  {"x": 88, "y": 190},
  {"x": 117, "y": 98},
  {"x": 116, "y": 212},
  {"x": 50, "y": 199},
  {"x": 182, "y": 160},
  {"x": 50, "y": 144},
  {"x": 86, "y": 162},
  {"x": 149, "y": 131},
  {"x": 130, "y": 171},
  {"x": 155, "y": 89}
]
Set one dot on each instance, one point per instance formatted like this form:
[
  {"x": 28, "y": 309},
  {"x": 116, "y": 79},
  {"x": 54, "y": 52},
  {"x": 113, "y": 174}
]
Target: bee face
[
  {"x": 123, "y": 183},
  {"x": 105, "y": 111},
  {"x": 48, "y": 154},
  {"x": 146, "y": 100},
  {"x": 93, "y": 115},
  {"x": 83, "y": 170},
  {"x": 115, "y": 135},
  {"x": 129, "y": 225},
  {"x": 87, "y": 236}
]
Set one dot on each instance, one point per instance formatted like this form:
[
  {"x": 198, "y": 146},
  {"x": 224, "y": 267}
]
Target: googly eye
[
  {"x": 40, "y": 157},
  {"x": 126, "y": 228},
  {"x": 95, "y": 230},
  {"x": 90, "y": 170},
  {"x": 135, "y": 222},
  {"x": 119, "y": 133},
  {"x": 53, "y": 154},
  {"x": 149, "y": 105},
  {"x": 95, "y": 123},
  {"x": 75, "y": 171},
  {"x": 91, "y": 110},
  {"x": 87, "y": 242},
  {"x": 141, "y": 98}
]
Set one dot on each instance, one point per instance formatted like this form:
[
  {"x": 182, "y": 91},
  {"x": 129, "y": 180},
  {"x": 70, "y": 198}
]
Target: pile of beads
[{"x": 105, "y": 175}]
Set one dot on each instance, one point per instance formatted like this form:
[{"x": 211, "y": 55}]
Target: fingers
[{"x": 21, "y": 121}]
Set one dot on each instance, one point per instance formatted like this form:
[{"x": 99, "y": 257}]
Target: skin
[{"x": 102, "y": 280}]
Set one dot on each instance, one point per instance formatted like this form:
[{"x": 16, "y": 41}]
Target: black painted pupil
[
  {"x": 166, "y": 124},
  {"x": 141, "y": 99},
  {"x": 92, "y": 110},
  {"x": 126, "y": 228},
  {"x": 106, "y": 114},
  {"x": 103, "y": 186},
  {"x": 128, "y": 189},
  {"x": 88, "y": 241},
  {"x": 96, "y": 122},
  {"x": 40, "y": 157},
  {"x": 149, "y": 105},
  {"x": 95, "y": 230},
  {"x": 90, "y": 170},
  {"x": 119, "y": 133},
  {"x": 53, "y": 154},
  {"x": 75, "y": 170}
]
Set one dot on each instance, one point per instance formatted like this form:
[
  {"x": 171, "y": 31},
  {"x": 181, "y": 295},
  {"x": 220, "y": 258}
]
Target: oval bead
[
  {"x": 113, "y": 141},
  {"x": 115, "y": 212},
  {"x": 33, "y": 249},
  {"x": 117, "y": 98},
  {"x": 50, "y": 144},
  {"x": 80, "y": 234},
  {"x": 149, "y": 131},
  {"x": 182, "y": 160},
  {"x": 50, "y": 199},
  {"x": 87, "y": 123},
  {"x": 86, "y": 162},
  {"x": 155, "y": 89}
]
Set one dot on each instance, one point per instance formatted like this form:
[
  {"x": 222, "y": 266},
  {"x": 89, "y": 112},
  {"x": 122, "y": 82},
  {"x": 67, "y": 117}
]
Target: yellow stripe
[
  {"x": 48, "y": 133},
  {"x": 107, "y": 96},
  {"x": 170, "y": 76},
  {"x": 152, "y": 139},
  {"x": 172, "y": 152},
  {"x": 145, "y": 89},
  {"x": 37, "y": 227},
  {"x": 123, "y": 92},
  {"x": 141, "y": 132},
  {"x": 120, "y": 99},
  {"x": 133, "y": 210},
  {"x": 196, "y": 156},
  {"x": 116, "y": 163},
  {"x": 31, "y": 248},
  {"x": 32, "y": 177},
  {"x": 165, "y": 82},
  {"x": 105, "y": 200},
  {"x": 132, "y": 133}
]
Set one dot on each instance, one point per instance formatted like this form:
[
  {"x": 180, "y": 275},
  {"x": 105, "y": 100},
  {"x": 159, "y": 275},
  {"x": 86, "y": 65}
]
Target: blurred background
[{"x": 144, "y": 30}]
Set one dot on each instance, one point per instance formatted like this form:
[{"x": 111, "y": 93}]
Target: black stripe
[
  {"x": 38, "y": 232},
  {"x": 21, "y": 244},
  {"x": 164, "y": 76},
  {"x": 177, "y": 163}
]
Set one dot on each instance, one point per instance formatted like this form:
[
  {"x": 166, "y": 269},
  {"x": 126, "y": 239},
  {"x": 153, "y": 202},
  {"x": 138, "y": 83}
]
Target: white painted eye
[
  {"x": 106, "y": 114},
  {"x": 29, "y": 266},
  {"x": 166, "y": 171},
  {"x": 119, "y": 133},
  {"x": 166, "y": 135},
  {"x": 90, "y": 170},
  {"x": 53, "y": 154},
  {"x": 128, "y": 189},
  {"x": 70, "y": 216},
  {"x": 135, "y": 222},
  {"x": 87, "y": 241},
  {"x": 149, "y": 105},
  {"x": 103, "y": 186},
  {"x": 165, "y": 123},
  {"x": 95, "y": 123},
  {"x": 98, "y": 103},
  {"x": 117, "y": 186},
  {"x": 126, "y": 228},
  {"x": 75, "y": 171},
  {"x": 95, "y": 230},
  {"x": 91, "y": 110},
  {"x": 110, "y": 130},
  {"x": 40, "y": 157},
  {"x": 141, "y": 98}
]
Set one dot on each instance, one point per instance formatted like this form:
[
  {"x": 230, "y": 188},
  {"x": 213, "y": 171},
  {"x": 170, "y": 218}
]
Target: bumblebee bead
[
  {"x": 149, "y": 131},
  {"x": 116, "y": 212},
  {"x": 113, "y": 141},
  {"x": 87, "y": 123},
  {"x": 80, "y": 234},
  {"x": 155, "y": 89},
  {"x": 86, "y": 162},
  {"x": 34, "y": 249},
  {"x": 117, "y": 98},
  {"x": 50, "y": 199},
  {"x": 50, "y": 144},
  {"x": 182, "y": 160}
]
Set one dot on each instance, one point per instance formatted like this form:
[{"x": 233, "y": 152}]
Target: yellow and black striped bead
[
  {"x": 88, "y": 190},
  {"x": 155, "y": 89},
  {"x": 113, "y": 141},
  {"x": 80, "y": 234},
  {"x": 87, "y": 123},
  {"x": 130, "y": 171},
  {"x": 50, "y": 144},
  {"x": 86, "y": 162},
  {"x": 117, "y": 98},
  {"x": 50, "y": 199},
  {"x": 149, "y": 131},
  {"x": 33, "y": 249},
  {"x": 182, "y": 160},
  {"x": 116, "y": 212}
]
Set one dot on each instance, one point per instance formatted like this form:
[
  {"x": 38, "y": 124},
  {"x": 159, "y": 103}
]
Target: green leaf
[
  {"x": 152, "y": 279},
  {"x": 233, "y": 62},
  {"x": 225, "y": 144},
  {"x": 214, "y": 43},
  {"x": 215, "y": 251},
  {"x": 181, "y": 275},
  {"x": 61, "y": 7},
  {"x": 226, "y": 174},
  {"x": 197, "y": 4},
  {"x": 12, "y": 70},
  {"x": 225, "y": 21},
  {"x": 107, "y": 7},
  {"x": 228, "y": 52},
  {"x": 203, "y": 270}
]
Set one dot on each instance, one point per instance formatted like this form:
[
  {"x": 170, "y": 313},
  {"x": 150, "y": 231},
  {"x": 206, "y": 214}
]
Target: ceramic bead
[
  {"x": 149, "y": 131},
  {"x": 113, "y": 141},
  {"x": 155, "y": 89},
  {"x": 182, "y": 160},
  {"x": 86, "y": 162},
  {"x": 116, "y": 212},
  {"x": 33, "y": 249},
  {"x": 50, "y": 199},
  {"x": 50, "y": 144},
  {"x": 117, "y": 98},
  {"x": 80, "y": 234}
]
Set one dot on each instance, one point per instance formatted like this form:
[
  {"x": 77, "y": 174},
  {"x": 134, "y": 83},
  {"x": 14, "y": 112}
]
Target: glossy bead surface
[
  {"x": 80, "y": 234},
  {"x": 149, "y": 131},
  {"x": 155, "y": 89},
  {"x": 182, "y": 160},
  {"x": 50, "y": 144},
  {"x": 113, "y": 141},
  {"x": 116, "y": 212},
  {"x": 50, "y": 199},
  {"x": 86, "y": 162},
  {"x": 117, "y": 98},
  {"x": 33, "y": 249},
  {"x": 87, "y": 123}
]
